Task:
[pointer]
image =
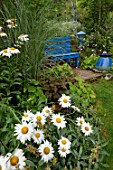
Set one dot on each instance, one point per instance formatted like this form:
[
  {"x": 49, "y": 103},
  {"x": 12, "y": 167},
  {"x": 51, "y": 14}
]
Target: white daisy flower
[
  {"x": 13, "y": 50},
  {"x": 2, "y": 163},
  {"x": 12, "y": 25},
  {"x": 47, "y": 111},
  {"x": 5, "y": 52},
  {"x": 13, "y": 20},
  {"x": 86, "y": 129},
  {"x": 3, "y": 34},
  {"x": 80, "y": 121},
  {"x": 75, "y": 108},
  {"x": 23, "y": 131},
  {"x": 23, "y": 37},
  {"x": 38, "y": 136},
  {"x": 63, "y": 151},
  {"x": 1, "y": 28},
  {"x": 64, "y": 142},
  {"x": 27, "y": 116},
  {"x": 65, "y": 101},
  {"x": 38, "y": 118},
  {"x": 16, "y": 160},
  {"x": 58, "y": 121},
  {"x": 46, "y": 151}
]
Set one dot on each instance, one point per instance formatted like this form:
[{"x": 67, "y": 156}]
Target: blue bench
[{"x": 60, "y": 49}]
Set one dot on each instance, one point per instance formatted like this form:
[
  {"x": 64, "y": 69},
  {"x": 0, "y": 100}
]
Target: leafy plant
[
  {"x": 82, "y": 93},
  {"x": 54, "y": 80},
  {"x": 89, "y": 62},
  {"x": 82, "y": 150}
]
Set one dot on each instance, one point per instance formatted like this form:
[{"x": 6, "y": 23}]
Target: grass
[{"x": 104, "y": 106}]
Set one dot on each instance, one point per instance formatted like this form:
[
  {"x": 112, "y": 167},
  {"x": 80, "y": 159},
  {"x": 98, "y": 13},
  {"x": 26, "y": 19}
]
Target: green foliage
[
  {"x": 32, "y": 96},
  {"x": 21, "y": 91},
  {"x": 90, "y": 62},
  {"x": 86, "y": 151},
  {"x": 82, "y": 93},
  {"x": 8, "y": 117},
  {"x": 18, "y": 89},
  {"x": 54, "y": 80},
  {"x": 60, "y": 10},
  {"x": 94, "y": 44},
  {"x": 94, "y": 12},
  {"x": 33, "y": 24},
  {"x": 63, "y": 28}
]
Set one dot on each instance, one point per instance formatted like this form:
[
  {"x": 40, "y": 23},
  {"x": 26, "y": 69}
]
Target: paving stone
[{"x": 87, "y": 74}]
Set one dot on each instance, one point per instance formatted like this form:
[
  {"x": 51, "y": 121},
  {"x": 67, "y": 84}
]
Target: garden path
[{"x": 87, "y": 74}]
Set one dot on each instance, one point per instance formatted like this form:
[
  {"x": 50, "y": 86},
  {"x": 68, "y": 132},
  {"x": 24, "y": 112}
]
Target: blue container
[{"x": 104, "y": 62}]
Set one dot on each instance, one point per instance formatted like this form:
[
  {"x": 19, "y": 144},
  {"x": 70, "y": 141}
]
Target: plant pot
[{"x": 104, "y": 62}]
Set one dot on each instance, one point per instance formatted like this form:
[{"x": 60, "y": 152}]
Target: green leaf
[
  {"x": 105, "y": 144},
  {"x": 30, "y": 163},
  {"x": 84, "y": 164},
  {"x": 40, "y": 163},
  {"x": 35, "y": 82},
  {"x": 85, "y": 157},
  {"x": 105, "y": 165},
  {"x": 75, "y": 153},
  {"x": 80, "y": 151},
  {"x": 96, "y": 166},
  {"x": 3, "y": 85},
  {"x": 31, "y": 89}
]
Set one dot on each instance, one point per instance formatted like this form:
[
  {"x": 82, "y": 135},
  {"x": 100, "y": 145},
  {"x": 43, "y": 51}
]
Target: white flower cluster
[
  {"x": 11, "y": 23},
  {"x": 21, "y": 39},
  {"x": 64, "y": 146},
  {"x": 9, "y": 52},
  {"x": 86, "y": 128},
  {"x": 32, "y": 129},
  {"x": 13, "y": 161}
]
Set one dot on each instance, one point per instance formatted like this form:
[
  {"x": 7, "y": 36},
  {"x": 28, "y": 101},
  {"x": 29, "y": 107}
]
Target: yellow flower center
[
  {"x": 12, "y": 24},
  {"x": 13, "y": 20},
  {"x": 5, "y": 51},
  {"x": 24, "y": 130},
  {"x": 14, "y": 160},
  {"x": 81, "y": 121},
  {"x": 64, "y": 141},
  {"x": 63, "y": 150},
  {"x": 22, "y": 35},
  {"x": 39, "y": 118},
  {"x": 65, "y": 100},
  {"x": 86, "y": 128},
  {"x": 0, "y": 167},
  {"x": 47, "y": 111},
  {"x": 58, "y": 120},
  {"x": 37, "y": 135},
  {"x": 25, "y": 115},
  {"x": 12, "y": 48},
  {"x": 46, "y": 150}
]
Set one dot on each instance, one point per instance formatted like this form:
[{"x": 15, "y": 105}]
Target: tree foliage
[{"x": 95, "y": 12}]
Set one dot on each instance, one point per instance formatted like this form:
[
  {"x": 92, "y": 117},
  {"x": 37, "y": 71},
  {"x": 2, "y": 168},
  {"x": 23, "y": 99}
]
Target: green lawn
[{"x": 104, "y": 105}]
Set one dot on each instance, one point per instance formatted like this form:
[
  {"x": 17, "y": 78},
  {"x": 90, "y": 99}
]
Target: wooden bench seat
[{"x": 60, "y": 49}]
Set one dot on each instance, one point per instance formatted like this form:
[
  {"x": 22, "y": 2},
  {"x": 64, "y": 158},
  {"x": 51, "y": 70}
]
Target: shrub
[{"x": 55, "y": 80}]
